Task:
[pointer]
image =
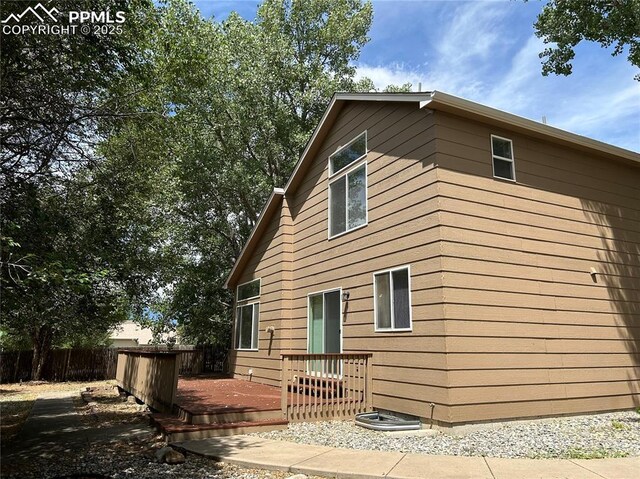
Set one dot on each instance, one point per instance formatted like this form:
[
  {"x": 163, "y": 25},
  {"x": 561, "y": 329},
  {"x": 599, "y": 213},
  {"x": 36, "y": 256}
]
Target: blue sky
[{"x": 486, "y": 51}]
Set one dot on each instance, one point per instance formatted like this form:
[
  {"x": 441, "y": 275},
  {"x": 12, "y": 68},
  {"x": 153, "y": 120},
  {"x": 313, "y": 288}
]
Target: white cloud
[
  {"x": 390, "y": 75},
  {"x": 503, "y": 70},
  {"x": 472, "y": 33}
]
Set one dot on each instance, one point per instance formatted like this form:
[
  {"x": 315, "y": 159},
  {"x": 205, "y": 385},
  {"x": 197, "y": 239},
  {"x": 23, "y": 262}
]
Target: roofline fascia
[
  {"x": 277, "y": 192},
  {"x": 311, "y": 141},
  {"x": 339, "y": 98},
  {"x": 399, "y": 97},
  {"x": 440, "y": 99}
]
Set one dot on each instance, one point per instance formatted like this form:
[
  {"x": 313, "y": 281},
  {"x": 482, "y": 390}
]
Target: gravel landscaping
[
  {"x": 602, "y": 435},
  {"x": 129, "y": 462}
]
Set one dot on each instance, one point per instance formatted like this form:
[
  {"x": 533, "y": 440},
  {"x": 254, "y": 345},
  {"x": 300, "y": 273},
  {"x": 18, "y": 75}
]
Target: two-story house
[{"x": 489, "y": 263}]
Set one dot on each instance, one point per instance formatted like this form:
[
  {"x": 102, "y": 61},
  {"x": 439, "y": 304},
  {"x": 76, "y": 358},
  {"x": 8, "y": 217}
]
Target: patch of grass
[
  {"x": 578, "y": 453},
  {"x": 619, "y": 426}
]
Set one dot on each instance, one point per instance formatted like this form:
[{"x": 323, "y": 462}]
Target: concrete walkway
[
  {"x": 54, "y": 426},
  {"x": 256, "y": 452}
]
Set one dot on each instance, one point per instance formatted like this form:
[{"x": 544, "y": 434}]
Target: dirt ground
[
  {"x": 16, "y": 401},
  {"x": 103, "y": 407}
]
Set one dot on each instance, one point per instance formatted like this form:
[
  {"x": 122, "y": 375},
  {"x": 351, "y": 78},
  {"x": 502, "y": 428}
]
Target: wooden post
[
  {"x": 176, "y": 373},
  {"x": 66, "y": 365},
  {"x": 284, "y": 375},
  {"x": 369, "y": 404},
  {"x": 15, "y": 371}
]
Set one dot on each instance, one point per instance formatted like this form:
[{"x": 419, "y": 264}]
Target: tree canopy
[
  {"x": 246, "y": 96},
  {"x": 71, "y": 240},
  {"x": 133, "y": 174},
  {"x": 565, "y": 23}
]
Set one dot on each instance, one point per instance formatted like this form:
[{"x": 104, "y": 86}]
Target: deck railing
[{"x": 325, "y": 386}]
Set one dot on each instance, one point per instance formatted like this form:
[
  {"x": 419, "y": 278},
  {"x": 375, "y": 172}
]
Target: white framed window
[
  {"x": 503, "y": 159},
  {"x": 353, "y": 151},
  {"x": 348, "y": 187},
  {"x": 248, "y": 290},
  {"x": 392, "y": 299},
  {"x": 247, "y": 319}
]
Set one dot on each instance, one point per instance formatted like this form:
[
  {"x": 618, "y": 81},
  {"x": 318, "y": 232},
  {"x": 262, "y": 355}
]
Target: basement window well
[{"x": 378, "y": 421}]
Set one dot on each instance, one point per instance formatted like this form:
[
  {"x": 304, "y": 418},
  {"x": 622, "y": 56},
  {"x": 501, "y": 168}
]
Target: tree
[
  {"x": 132, "y": 193},
  {"x": 76, "y": 233},
  {"x": 244, "y": 98},
  {"x": 566, "y": 23},
  {"x": 59, "y": 91}
]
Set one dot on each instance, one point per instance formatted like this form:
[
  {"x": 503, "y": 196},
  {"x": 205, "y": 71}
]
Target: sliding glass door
[{"x": 325, "y": 329}]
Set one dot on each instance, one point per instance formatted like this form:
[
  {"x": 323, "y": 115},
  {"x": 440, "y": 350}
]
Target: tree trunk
[{"x": 42, "y": 339}]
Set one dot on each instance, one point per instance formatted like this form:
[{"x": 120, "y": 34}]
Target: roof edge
[
  {"x": 444, "y": 101},
  {"x": 276, "y": 194},
  {"x": 433, "y": 100}
]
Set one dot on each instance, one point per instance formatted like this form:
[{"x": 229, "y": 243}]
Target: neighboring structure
[
  {"x": 130, "y": 334},
  {"x": 490, "y": 263}
]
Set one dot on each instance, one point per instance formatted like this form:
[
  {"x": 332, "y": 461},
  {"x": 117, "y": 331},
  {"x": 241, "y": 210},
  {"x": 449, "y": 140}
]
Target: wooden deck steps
[{"x": 201, "y": 424}]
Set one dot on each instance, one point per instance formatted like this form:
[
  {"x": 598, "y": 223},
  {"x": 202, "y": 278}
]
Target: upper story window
[
  {"x": 348, "y": 187},
  {"x": 353, "y": 151},
  {"x": 503, "y": 161},
  {"x": 248, "y": 290},
  {"x": 392, "y": 299}
]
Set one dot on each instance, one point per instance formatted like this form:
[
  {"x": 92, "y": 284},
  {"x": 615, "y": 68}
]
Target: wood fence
[
  {"x": 100, "y": 364},
  {"x": 325, "y": 386}
]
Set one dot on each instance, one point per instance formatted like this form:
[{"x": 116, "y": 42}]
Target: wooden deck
[
  {"x": 206, "y": 394},
  {"x": 215, "y": 405}
]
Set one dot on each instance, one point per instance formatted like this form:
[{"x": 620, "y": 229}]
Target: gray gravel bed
[
  {"x": 128, "y": 461},
  {"x": 602, "y": 435}
]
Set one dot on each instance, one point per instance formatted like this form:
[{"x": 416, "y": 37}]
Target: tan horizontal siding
[
  {"x": 507, "y": 320},
  {"x": 513, "y": 376},
  {"x": 401, "y": 190},
  {"x": 538, "y": 360},
  {"x": 543, "y": 154},
  {"x": 524, "y": 329},
  {"x": 544, "y": 407},
  {"x": 457, "y": 186},
  {"x": 574, "y": 170},
  {"x": 387, "y": 124},
  {"x": 269, "y": 262},
  {"x": 529, "y": 331}
]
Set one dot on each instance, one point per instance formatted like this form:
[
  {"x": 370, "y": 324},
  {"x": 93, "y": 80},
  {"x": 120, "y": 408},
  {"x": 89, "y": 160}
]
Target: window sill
[
  {"x": 393, "y": 330},
  {"x": 247, "y": 350},
  {"x": 348, "y": 231},
  {"x": 504, "y": 179}
]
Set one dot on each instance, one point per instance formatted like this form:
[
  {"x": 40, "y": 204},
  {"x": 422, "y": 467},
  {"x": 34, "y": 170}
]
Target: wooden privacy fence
[
  {"x": 325, "y": 386},
  {"x": 151, "y": 376},
  {"x": 100, "y": 363},
  {"x": 61, "y": 365}
]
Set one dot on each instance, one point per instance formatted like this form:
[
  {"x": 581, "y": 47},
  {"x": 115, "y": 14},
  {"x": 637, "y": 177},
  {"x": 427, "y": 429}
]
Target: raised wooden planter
[{"x": 151, "y": 376}]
